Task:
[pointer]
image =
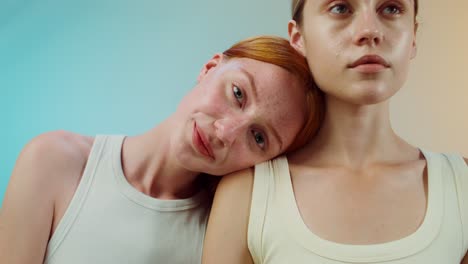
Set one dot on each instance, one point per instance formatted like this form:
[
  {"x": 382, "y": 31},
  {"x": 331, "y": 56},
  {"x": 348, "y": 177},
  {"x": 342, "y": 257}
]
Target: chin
[{"x": 371, "y": 94}]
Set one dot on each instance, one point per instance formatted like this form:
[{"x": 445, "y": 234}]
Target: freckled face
[
  {"x": 242, "y": 112},
  {"x": 359, "y": 51}
]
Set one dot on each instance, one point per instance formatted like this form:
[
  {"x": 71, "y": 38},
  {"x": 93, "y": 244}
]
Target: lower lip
[
  {"x": 370, "y": 68},
  {"x": 198, "y": 143}
]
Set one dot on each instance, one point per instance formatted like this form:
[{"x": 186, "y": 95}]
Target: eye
[
  {"x": 259, "y": 138},
  {"x": 392, "y": 10},
  {"x": 238, "y": 94},
  {"x": 340, "y": 9}
]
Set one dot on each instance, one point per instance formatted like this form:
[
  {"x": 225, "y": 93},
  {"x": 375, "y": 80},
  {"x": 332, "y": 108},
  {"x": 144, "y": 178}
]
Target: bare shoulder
[
  {"x": 237, "y": 181},
  {"x": 45, "y": 175},
  {"x": 226, "y": 234},
  {"x": 234, "y": 190},
  {"x": 466, "y": 160},
  {"x": 56, "y": 150},
  {"x": 51, "y": 155},
  {"x": 62, "y": 145}
]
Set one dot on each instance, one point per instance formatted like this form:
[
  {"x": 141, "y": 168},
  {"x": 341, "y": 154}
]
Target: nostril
[{"x": 370, "y": 38}]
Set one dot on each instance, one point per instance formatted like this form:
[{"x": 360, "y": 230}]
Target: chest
[
  {"x": 134, "y": 239},
  {"x": 113, "y": 229},
  {"x": 345, "y": 219},
  {"x": 365, "y": 207}
]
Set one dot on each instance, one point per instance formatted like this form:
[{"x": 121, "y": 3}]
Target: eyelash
[
  {"x": 399, "y": 8},
  {"x": 241, "y": 100},
  {"x": 339, "y": 4},
  {"x": 256, "y": 133}
]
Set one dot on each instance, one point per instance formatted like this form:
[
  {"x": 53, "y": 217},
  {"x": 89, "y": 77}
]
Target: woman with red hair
[{"x": 143, "y": 199}]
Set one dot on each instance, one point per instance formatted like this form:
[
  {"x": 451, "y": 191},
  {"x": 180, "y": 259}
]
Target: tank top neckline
[
  {"x": 400, "y": 248},
  {"x": 142, "y": 199}
]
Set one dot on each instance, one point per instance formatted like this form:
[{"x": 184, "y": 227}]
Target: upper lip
[
  {"x": 205, "y": 142},
  {"x": 369, "y": 59}
]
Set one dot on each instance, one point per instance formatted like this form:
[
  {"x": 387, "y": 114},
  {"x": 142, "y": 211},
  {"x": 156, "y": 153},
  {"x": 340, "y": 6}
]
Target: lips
[
  {"x": 200, "y": 142},
  {"x": 370, "y": 63}
]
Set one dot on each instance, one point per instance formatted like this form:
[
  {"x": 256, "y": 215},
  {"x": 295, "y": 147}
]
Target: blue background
[{"x": 110, "y": 66}]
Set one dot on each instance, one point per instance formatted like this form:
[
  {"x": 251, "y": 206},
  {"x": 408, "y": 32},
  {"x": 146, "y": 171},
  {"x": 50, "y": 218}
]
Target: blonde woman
[{"x": 357, "y": 192}]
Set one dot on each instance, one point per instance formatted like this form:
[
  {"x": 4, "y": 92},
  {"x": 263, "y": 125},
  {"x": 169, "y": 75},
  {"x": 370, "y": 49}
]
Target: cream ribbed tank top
[
  {"x": 109, "y": 221},
  {"x": 278, "y": 235}
]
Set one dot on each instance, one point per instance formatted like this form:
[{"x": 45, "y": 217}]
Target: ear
[
  {"x": 211, "y": 64},
  {"x": 295, "y": 37},
  {"x": 414, "y": 47}
]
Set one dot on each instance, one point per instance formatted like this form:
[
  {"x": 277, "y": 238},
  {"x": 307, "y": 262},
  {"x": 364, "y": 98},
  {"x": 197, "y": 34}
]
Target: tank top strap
[
  {"x": 79, "y": 197},
  {"x": 258, "y": 209},
  {"x": 460, "y": 173}
]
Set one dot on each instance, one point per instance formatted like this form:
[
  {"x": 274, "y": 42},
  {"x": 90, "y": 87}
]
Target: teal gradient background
[{"x": 110, "y": 67}]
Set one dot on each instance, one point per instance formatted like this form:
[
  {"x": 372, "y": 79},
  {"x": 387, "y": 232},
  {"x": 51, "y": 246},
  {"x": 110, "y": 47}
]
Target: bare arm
[
  {"x": 226, "y": 235},
  {"x": 27, "y": 214}
]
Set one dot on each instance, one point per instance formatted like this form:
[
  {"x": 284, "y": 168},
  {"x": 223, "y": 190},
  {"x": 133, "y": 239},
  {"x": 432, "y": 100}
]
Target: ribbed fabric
[
  {"x": 278, "y": 235},
  {"x": 109, "y": 221}
]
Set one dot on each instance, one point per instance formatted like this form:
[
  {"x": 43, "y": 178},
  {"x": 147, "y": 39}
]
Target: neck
[
  {"x": 357, "y": 135},
  {"x": 150, "y": 165}
]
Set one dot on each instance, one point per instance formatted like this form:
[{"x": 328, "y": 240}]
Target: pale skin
[
  {"x": 356, "y": 152},
  {"x": 230, "y": 106}
]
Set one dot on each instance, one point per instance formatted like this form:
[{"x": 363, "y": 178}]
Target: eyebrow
[{"x": 251, "y": 80}]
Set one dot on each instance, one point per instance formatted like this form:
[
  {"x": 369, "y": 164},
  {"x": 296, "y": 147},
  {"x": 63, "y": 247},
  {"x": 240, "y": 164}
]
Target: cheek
[
  {"x": 324, "y": 40},
  {"x": 401, "y": 41},
  {"x": 213, "y": 100},
  {"x": 402, "y": 51},
  {"x": 324, "y": 53}
]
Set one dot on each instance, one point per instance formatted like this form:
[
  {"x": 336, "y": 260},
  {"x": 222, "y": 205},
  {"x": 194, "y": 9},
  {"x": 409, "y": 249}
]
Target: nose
[
  {"x": 230, "y": 128},
  {"x": 368, "y": 29}
]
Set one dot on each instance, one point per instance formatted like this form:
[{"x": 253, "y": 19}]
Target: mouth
[
  {"x": 369, "y": 64},
  {"x": 200, "y": 142}
]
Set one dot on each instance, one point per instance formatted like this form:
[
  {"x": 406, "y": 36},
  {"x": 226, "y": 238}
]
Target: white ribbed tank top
[
  {"x": 109, "y": 221},
  {"x": 278, "y": 235}
]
